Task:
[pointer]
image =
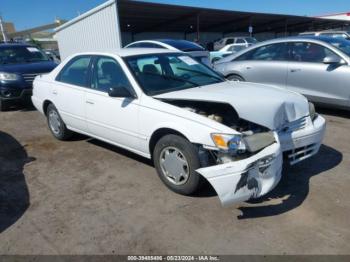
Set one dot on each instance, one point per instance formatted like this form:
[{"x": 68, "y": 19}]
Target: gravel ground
[{"x": 87, "y": 197}]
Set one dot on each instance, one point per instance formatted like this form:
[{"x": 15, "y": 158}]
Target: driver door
[
  {"x": 112, "y": 119},
  {"x": 320, "y": 82}
]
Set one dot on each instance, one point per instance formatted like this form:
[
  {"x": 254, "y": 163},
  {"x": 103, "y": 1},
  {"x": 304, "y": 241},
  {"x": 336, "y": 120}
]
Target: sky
[{"x": 30, "y": 13}]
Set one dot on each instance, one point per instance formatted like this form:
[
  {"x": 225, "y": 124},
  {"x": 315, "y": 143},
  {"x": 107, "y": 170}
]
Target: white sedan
[{"x": 195, "y": 125}]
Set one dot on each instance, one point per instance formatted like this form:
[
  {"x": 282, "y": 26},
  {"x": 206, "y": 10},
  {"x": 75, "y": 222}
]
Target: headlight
[
  {"x": 232, "y": 143},
  {"x": 312, "y": 111},
  {"x": 8, "y": 76}
]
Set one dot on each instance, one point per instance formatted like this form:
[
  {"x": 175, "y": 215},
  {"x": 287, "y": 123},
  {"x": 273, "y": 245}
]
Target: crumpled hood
[{"x": 265, "y": 105}]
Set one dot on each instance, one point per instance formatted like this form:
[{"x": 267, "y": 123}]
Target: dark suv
[{"x": 19, "y": 65}]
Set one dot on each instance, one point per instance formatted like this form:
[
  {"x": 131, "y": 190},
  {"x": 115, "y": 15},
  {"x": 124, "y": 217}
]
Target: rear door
[
  {"x": 68, "y": 93},
  {"x": 265, "y": 64},
  {"x": 320, "y": 82}
]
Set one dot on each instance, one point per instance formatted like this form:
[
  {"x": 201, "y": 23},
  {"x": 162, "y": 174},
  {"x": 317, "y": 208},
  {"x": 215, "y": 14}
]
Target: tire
[
  {"x": 235, "y": 78},
  {"x": 56, "y": 125},
  {"x": 183, "y": 156},
  {"x": 3, "y": 105}
]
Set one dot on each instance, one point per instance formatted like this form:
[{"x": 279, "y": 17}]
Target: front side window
[
  {"x": 76, "y": 72},
  {"x": 240, "y": 41},
  {"x": 273, "y": 52},
  {"x": 108, "y": 73},
  {"x": 162, "y": 73},
  {"x": 309, "y": 52},
  {"x": 341, "y": 44},
  {"x": 21, "y": 54}
]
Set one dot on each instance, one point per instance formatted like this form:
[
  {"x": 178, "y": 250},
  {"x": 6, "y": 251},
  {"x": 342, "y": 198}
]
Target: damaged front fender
[{"x": 242, "y": 180}]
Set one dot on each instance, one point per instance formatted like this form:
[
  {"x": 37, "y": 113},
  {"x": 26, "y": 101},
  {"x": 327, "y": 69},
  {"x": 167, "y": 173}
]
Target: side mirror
[
  {"x": 120, "y": 91},
  {"x": 333, "y": 59}
]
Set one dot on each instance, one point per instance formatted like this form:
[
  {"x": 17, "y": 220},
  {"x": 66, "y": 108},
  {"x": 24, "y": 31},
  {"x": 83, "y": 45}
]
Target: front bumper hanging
[{"x": 248, "y": 178}]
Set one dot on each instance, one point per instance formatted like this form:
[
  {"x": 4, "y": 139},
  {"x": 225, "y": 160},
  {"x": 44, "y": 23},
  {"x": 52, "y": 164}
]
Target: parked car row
[
  {"x": 19, "y": 65},
  {"x": 162, "y": 100}
]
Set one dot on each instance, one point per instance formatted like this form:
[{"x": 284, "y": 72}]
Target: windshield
[
  {"x": 340, "y": 43},
  {"x": 21, "y": 54},
  {"x": 162, "y": 73}
]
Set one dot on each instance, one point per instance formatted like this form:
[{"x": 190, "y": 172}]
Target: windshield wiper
[
  {"x": 200, "y": 73},
  {"x": 173, "y": 78}
]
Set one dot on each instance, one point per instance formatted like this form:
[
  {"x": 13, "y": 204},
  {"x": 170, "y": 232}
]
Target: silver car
[{"x": 317, "y": 67}]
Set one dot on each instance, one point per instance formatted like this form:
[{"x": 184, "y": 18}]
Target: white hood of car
[{"x": 265, "y": 105}]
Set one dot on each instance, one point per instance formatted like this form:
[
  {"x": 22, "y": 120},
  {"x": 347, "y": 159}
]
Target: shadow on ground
[
  {"x": 14, "y": 195},
  {"x": 333, "y": 112},
  {"x": 290, "y": 193},
  {"x": 293, "y": 188},
  {"x": 120, "y": 151}
]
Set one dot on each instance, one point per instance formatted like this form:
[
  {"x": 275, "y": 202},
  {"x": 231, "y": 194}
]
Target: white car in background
[
  {"x": 226, "y": 51},
  {"x": 191, "y": 48},
  {"x": 194, "y": 124},
  {"x": 238, "y": 40}
]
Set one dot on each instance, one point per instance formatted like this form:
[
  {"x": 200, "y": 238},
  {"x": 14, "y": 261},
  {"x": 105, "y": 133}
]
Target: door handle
[
  {"x": 54, "y": 92},
  {"x": 90, "y": 102},
  {"x": 295, "y": 70},
  {"x": 248, "y": 67}
]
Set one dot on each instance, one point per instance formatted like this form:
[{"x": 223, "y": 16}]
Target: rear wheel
[
  {"x": 235, "y": 78},
  {"x": 176, "y": 160},
  {"x": 56, "y": 124}
]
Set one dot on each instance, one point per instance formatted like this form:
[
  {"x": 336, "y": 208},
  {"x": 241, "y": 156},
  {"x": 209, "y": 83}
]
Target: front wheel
[
  {"x": 235, "y": 78},
  {"x": 176, "y": 160},
  {"x": 56, "y": 124}
]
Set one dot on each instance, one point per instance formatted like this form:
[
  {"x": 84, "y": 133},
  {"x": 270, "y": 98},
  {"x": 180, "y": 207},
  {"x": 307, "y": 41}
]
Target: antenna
[{"x": 2, "y": 29}]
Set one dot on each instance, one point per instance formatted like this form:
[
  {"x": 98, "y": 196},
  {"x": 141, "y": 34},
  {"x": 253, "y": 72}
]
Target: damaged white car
[{"x": 194, "y": 124}]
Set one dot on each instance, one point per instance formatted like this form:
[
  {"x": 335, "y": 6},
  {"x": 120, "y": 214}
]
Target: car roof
[
  {"x": 325, "y": 31},
  {"x": 6, "y": 44},
  {"x": 312, "y": 38},
  {"x": 124, "y": 52}
]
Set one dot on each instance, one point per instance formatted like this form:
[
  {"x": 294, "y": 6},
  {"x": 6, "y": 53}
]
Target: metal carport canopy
[{"x": 138, "y": 17}]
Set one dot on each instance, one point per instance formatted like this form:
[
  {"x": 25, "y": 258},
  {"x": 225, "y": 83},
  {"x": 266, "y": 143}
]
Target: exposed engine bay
[
  {"x": 219, "y": 112},
  {"x": 256, "y": 137}
]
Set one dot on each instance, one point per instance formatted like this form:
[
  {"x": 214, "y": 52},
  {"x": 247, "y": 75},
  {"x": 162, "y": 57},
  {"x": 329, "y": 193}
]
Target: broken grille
[{"x": 301, "y": 153}]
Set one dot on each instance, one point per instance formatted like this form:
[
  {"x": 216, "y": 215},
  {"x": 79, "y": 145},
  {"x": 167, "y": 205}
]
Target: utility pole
[{"x": 2, "y": 29}]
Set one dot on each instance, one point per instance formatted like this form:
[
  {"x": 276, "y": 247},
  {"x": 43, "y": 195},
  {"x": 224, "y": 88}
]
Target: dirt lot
[{"x": 86, "y": 197}]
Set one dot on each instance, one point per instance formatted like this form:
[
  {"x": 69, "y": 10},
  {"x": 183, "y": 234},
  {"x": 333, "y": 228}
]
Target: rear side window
[
  {"x": 273, "y": 52},
  {"x": 76, "y": 72},
  {"x": 183, "y": 45},
  {"x": 240, "y": 41},
  {"x": 229, "y": 41},
  {"x": 146, "y": 45}
]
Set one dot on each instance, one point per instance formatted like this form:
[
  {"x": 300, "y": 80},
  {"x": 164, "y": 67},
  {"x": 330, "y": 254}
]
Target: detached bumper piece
[
  {"x": 244, "y": 179},
  {"x": 303, "y": 142}
]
